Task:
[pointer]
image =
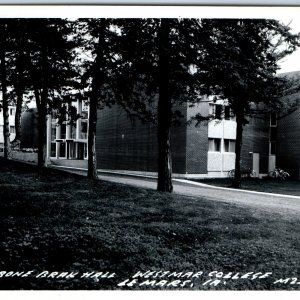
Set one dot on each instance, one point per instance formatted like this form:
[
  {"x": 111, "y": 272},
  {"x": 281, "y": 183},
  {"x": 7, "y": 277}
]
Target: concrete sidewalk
[
  {"x": 283, "y": 204},
  {"x": 268, "y": 202},
  {"x": 286, "y": 205}
]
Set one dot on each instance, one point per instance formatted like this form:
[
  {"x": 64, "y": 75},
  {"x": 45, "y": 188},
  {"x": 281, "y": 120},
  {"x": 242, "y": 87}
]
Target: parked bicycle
[
  {"x": 244, "y": 173},
  {"x": 279, "y": 174}
]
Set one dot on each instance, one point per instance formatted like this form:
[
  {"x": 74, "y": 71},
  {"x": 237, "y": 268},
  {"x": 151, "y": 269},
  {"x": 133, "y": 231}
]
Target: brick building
[
  {"x": 126, "y": 143},
  {"x": 12, "y": 128},
  {"x": 29, "y": 128},
  {"x": 286, "y": 140},
  {"x": 207, "y": 150}
]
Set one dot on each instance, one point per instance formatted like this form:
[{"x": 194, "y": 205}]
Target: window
[
  {"x": 227, "y": 112},
  {"x": 85, "y": 150},
  {"x": 273, "y": 133},
  {"x": 272, "y": 148},
  {"x": 63, "y": 131},
  {"x": 211, "y": 109},
  {"x": 62, "y": 150},
  {"x": 53, "y": 149},
  {"x": 273, "y": 119},
  {"x": 229, "y": 145},
  {"x": 214, "y": 145},
  {"x": 84, "y": 115},
  {"x": 12, "y": 129},
  {"x": 84, "y": 128},
  {"x": 72, "y": 150},
  {"x": 73, "y": 131},
  {"x": 218, "y": 111},
  {"x": 85, "y": 105},
  {"x": 12, "y": 111},
  {"x": 53, "y": 132}
]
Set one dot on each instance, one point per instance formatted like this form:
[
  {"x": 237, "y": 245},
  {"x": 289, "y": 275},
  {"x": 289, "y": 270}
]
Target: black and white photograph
[{"x": 150, "y": 148}]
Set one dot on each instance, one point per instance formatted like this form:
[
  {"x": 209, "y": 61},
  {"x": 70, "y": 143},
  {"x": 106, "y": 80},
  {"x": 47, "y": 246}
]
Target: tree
[
  {"x": 98, "y": 42},
  {"x": 19, "y": 72},
  {"x": 240, "y": 65},
  {"x": 50, "y": 71},
  {"x": 164, "y": 110},
  {"x": 5, "y": 98},
  {"x": 157, "y": 55},
  {"x": 15, "y": 66}
]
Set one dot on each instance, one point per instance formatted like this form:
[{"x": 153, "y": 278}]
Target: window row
[
  {"x": 69, "y": 150},
  {"x": 83, "y": 130},
  {"x": 220, "y": 111},
  {"x": 214, "y": 145},
  {"x": 12, "y": 129}
]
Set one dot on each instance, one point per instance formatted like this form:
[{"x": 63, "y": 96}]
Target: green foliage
[
  {"x": 242, "y": 57},
  {"x": 140, "y": 63},
  {"x": 240, "y": 63}
]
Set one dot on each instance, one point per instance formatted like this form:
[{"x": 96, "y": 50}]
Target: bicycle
[
  {"x": 279, "y": 174},
  {"x": 244, "y": 173}
]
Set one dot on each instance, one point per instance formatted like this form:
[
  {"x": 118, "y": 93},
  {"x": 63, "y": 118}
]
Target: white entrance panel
[
  {"x": 272, "y": 162},
  {"x": 255, "y": 165}
]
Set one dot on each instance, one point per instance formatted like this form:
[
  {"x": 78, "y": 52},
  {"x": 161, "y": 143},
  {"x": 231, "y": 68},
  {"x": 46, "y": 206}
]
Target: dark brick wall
[
  {"x": 129, "y": 144},
  {"x": 288, "y": 143},
  {"x": 124, "y": 143},
  {"x": 197, "y": 141},
  {"x": 256, "y": 140},
  {"x": 179, "y": 142},
  {"x": 29, "y": 129}
]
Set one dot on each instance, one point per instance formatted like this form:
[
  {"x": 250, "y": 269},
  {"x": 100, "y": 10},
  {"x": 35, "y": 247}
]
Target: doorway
[{"x": 255, "y": 164}]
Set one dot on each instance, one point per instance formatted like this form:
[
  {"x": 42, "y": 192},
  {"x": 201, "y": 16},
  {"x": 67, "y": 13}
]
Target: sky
[
  {"x": 291, "y": 62},
  {"x": 286, "y": 14}
]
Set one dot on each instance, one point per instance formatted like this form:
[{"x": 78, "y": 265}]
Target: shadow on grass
[{"x": 59, "y": 222}]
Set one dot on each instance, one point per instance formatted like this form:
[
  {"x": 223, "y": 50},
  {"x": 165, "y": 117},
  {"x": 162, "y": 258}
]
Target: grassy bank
[{"x": 60, "y": 222}]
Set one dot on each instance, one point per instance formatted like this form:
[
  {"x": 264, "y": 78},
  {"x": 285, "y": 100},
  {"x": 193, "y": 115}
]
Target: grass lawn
[
  {"x": 60, "y": 222},
  {"x": 288, "y": 187}
]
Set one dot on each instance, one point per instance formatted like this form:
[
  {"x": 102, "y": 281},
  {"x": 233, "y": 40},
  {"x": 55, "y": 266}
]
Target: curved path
[
  {"x": 287, "y": 205},
  {"x": 283, "y": 204}
]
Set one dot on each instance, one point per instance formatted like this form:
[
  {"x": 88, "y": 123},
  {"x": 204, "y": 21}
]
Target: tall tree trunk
[
  {"x": 95, "y": 93},
  {"x": 92, "y": 158},
  {"x": 6, "y": 133},
  {"x": 41, "y": 101},
  {"x": 20, "y": 92},
  {"x": 164, "y": 112},
  {"x": 238, "y": 148},
  {"x": 18, "y": 118},
  {"x": 42, "y": 113}
]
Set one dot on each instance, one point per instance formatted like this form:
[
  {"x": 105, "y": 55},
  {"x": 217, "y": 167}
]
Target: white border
[
  {"x": 73, "y": 11},
  {"x": 146, "y": 295},
  {"x": 98, "y": 11},
  {"x": 157, "y": 2}
]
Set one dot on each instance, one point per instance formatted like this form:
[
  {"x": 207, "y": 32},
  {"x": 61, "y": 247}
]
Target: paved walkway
[{"x": 283, "y": 204}]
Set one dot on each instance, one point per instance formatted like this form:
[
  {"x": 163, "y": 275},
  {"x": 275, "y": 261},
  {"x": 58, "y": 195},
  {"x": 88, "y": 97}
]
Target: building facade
[
  {"x": 67, "y": 141},
  {"x": 29, "y": 129},
  {"x": 127, "y": 144},
  {"x": 286, "y": 138},
  {"x": 12, "y": 128},
  {"x": 206, "y": 150}
]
